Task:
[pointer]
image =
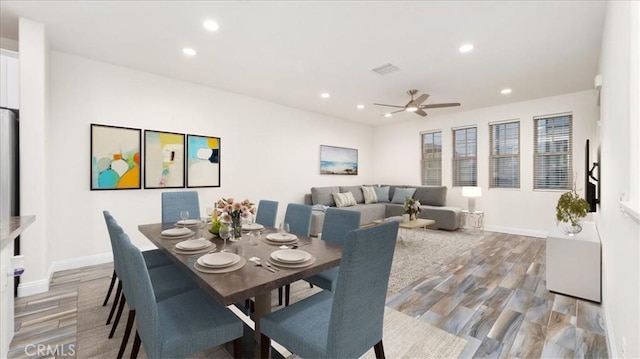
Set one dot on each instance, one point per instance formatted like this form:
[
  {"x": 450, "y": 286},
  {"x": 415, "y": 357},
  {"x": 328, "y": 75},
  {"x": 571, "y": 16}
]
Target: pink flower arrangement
[{"x": 229, "y": 210}]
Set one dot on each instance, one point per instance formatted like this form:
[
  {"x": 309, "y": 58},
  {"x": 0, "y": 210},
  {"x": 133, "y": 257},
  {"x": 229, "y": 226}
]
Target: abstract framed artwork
[
  {"x": 115, "y": 157},
  {"x": 203, "y": 161},
  {"x": 163, "y": 159},
  {"x": 338, "y": 160}
]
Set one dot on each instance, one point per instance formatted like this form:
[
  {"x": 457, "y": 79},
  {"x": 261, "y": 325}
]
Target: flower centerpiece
[
  {"x": 411, "y": 207},
  {"x": 230, "y": 211}
]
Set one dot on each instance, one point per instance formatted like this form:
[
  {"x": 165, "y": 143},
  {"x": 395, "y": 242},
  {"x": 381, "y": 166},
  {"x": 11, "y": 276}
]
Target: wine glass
[
  {"x": 283, "y": 229},
  {"x": 224, "y": 234},
  {"x": 184, "y": 215}
]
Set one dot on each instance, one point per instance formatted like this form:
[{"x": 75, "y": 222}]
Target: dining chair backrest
[
  {"x": 267, "y": 212},
  {"x": 338, "y": 223},
  {"x": 299, "y": 218},
  {"x": 119, "y": 262},
  {"x": 355, "y": 324},
  {"x": 175, "y": 202},
  {"x": 147, "y": 318}
]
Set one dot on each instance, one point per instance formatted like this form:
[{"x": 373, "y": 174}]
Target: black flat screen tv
[{"x": 591, "y": 188}]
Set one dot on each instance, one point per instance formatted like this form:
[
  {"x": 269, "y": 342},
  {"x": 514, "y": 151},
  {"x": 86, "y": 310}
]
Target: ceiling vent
[{"x": 386, "y": 69}]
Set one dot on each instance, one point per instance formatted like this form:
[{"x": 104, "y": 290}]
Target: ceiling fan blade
[
  {"x": 422, "y": 98},
  {"x": 436, "y": 105},
  {"x": 421, "y": 113},
  {"x": 382, "y": 104}
]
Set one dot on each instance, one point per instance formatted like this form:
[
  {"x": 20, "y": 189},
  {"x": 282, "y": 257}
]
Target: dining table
[{"x": 251, "y": 280}]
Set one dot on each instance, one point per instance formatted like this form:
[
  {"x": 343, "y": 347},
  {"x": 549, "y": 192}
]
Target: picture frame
[
  {"x": 338, "y": 160},
  {"x": 164, "y": 159},
  {"x": 203, "y": 161},
  {"x": 115, "y": 157}
]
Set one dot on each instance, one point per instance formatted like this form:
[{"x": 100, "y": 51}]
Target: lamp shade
[{"x": 471, "y": 192}]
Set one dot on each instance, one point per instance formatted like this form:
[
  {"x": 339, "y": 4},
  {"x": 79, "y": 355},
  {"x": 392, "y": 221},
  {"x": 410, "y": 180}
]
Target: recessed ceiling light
[
  {"x": 466, "y": 48},
  {"x": 189, "y": 51},
  {"x": 211, "y": 25},
  {"x": 387, "y": 115},
  {"x": 505, "y": 91},
  {"x": 360, "y": 107},
  {"x": 325, "y": 95}
]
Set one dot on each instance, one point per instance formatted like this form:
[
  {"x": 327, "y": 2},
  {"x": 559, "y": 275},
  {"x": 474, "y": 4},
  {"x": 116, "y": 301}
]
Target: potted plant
[
  {"x": 411, "y": 207},
  {"x": 570, "y": 210}
]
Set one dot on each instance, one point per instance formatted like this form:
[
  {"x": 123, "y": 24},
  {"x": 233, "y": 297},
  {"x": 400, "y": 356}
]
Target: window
[
  {"x": 504, "y": 156},
  {"x": 552, "y": 167},
  {"x": 432, "y": 158},
  {"x": 464, "y": 157}
]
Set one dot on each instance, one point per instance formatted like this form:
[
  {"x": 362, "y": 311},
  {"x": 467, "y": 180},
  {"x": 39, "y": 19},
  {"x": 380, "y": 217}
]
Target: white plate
[
  {"x": 219, "y": 260},
  {"x": 291, "y": 256},
  {"x": 252, "y": 227},
  {"x": 174, "y": 232},
  {"x": 188, "y": 222},
  {"x": 193, "y": 244},
  {"x": 277, "y": 237}
]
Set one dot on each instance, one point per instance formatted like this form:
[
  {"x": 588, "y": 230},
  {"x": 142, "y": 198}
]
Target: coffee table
[{"x": 410, "y": 225}]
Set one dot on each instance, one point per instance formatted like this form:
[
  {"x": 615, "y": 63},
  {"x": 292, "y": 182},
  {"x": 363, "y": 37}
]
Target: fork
[
  {"x": 259, "y": 263},
  {"x": 270, "y": 266}
]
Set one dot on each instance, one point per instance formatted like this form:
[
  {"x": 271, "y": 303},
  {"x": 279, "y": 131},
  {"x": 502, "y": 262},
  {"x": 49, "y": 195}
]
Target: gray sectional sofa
[{"x": 432, "y": 199}]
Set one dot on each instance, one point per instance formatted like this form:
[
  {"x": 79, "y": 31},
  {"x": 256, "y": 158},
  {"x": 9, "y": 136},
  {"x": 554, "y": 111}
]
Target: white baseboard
[
  {"x": 518, "y": 231},
  {"x": 611, "y": 338},
  {"x": 33, "y": 287}
]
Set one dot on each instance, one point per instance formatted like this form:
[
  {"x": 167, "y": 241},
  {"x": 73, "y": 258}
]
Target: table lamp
[{"x": 472, "y": 193}]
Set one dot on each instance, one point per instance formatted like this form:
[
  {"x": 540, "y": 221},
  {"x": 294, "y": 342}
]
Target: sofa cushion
[
  {"x": 382, "y": 193},
  {"x": 323, "y": 195},
  {"x": 355, "y": 190},
  {"x": 400, "y": 194},
  {"x": 344, "y": 199},
  {"x": 431, "y": 195},
  {"x": 369, "y": 194}
]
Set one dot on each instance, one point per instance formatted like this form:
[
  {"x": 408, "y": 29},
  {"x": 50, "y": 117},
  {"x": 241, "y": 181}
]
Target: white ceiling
[{"x": 289, "y": 52}]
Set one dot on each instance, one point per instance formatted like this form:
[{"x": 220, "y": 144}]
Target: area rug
[
  {"x": 404, "y": 336},
  {"x": 419, "y": 253}
]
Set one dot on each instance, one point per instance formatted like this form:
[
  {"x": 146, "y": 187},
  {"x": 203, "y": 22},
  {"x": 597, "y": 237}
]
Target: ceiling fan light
[{"x": 411, "y": 108}]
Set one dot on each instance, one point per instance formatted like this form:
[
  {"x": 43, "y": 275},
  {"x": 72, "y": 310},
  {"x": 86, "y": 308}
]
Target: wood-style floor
[{"x": 494, "y": 296}]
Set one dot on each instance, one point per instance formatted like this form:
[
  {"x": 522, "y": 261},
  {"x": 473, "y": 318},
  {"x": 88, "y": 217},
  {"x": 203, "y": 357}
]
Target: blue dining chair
[
  {"x": 267, "y": 211},
  {"x": 175, "y": 202},
  {"x": 337, "y": 224},
  {"x": 347, "y": 323},
  {"x": 153, "y": 258},
  {"x": 299, "y": 218},
  {"x": 178, "y": 326},
  {"x": 167, "y": 281}
]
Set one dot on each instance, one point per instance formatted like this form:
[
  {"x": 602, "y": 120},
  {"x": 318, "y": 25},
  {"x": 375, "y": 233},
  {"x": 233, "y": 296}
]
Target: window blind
[
  {"x": 432, "y": 158},
  {"x": 465, "y": 157},
  {"x": 504, "y": 155},
  {"x": 553, "y": 152}
]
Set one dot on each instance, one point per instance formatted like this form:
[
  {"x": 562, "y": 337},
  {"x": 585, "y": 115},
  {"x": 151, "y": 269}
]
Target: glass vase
[
  {"x": 236, "y": 225},
  {"x": 571, "y": 229}
]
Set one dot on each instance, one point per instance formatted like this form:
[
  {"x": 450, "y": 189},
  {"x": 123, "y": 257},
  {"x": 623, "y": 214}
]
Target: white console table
[{"x": 574, "y": 263}]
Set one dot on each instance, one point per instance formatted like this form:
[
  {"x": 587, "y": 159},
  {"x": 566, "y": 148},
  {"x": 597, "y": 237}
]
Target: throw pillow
[
  {"x": 369, "y": 195},
  {"x": 382, "y": 193},
  {"x": 401, "y": 193},
  {"x": 344, "y": 199}
]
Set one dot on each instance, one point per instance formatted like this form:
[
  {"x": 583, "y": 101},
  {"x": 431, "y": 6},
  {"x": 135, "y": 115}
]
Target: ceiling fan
[{"x": 416, "y": 106}]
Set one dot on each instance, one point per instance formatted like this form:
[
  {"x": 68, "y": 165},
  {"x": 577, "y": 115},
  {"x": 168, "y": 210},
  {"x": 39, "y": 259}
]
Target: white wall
[
  {"x": 268, "y": 151},
  {"x": 620, "y": 235},
  {"x": 523, "y": 210}
]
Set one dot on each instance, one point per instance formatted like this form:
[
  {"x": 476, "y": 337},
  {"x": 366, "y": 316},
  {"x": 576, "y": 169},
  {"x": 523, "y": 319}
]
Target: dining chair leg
[
  {"x": 280, "y": 296},
  {"x": 265, "y": 346},
  {"x": 310, "y": 285},
  {"x": 113, "y": 281},
  {"x": 127, "y": 333},
  {"x": 237, "y": 348},
  {"x": 379, "y": 350},
  {"x": 118, "y": 315},
  {"x": 115, "y": 302},
  {"x": 136, "y": 346},
  {"x": 287, "y": 292}
]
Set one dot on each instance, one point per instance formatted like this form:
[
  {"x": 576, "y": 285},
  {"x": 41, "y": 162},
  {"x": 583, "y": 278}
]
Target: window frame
[
  {"x": 538, "y": 155},
  {"x": 424, "y": 162},
  {"x": 455, "y": 171},
  {"x": 494, "y": 158}
]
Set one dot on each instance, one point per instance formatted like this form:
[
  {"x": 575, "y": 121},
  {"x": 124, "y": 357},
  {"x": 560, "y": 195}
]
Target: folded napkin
[{"x": 319, "y": 207}]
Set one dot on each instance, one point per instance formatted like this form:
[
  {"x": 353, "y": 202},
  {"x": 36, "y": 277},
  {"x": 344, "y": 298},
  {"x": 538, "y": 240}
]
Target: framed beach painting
[
  {"x": 338, "y": 160},
  {"x": 115, "y": 157},
  {"x": 163, "y": 159},
  {"x": 203, "y": 161}
]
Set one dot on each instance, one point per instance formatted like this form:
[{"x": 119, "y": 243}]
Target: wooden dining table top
[{"x": 250, "y": 280}]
